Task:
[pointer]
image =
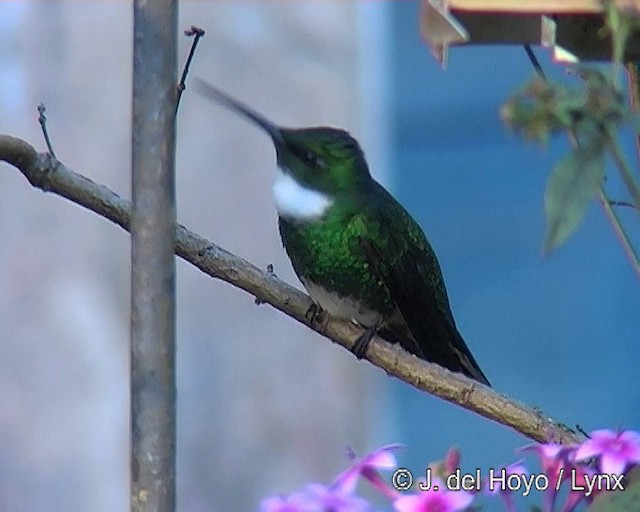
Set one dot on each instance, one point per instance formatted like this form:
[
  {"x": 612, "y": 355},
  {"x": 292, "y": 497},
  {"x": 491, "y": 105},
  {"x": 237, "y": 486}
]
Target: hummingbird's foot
[
  {"x": 270, "y": 271},
  {"x": 317, "y": 316},
  {"x": 361, "y": 345}
]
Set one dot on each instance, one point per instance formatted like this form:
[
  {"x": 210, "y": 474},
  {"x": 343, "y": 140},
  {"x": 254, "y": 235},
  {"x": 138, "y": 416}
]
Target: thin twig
[
  {"x": 619, "y": 231},
  {"x": 625, "y": 170},
  {"x": 582, "y": 431},
  {"x": 633, "y": 81},
  {"x": 42, "y": 119},
  {"x": 219, "y": 263},
  {"x": 196, "y": 33},
  {"x": 535, "y": 62},
  {"x": 613, "y": 219},
  {"x": 626, "y": 204}
]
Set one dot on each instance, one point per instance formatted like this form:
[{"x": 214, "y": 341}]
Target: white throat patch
[{"x": 294, "y": 200}]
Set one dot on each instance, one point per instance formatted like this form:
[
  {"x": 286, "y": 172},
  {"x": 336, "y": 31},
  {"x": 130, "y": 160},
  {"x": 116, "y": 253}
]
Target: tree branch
[{"x": 48, "y": 174}]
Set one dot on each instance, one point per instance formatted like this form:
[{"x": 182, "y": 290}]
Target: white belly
[{"x": 341, "y": 307}]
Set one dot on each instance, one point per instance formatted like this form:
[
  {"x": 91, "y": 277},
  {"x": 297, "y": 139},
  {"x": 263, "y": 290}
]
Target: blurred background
[{"x": 265, "y": 405}]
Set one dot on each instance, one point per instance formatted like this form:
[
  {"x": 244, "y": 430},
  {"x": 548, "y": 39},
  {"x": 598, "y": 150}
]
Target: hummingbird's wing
[{"x": 406, "y": 263}]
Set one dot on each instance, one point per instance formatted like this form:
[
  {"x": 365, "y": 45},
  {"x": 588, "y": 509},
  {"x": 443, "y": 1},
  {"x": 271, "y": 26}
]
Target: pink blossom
[
  {"x": 575, "y": 496},
  {"x": 282, "y": 504},
  {"x": 452, "y": 460},
  {"x": 553, "y": 457},
  {"x": 367, "y": 467},
  {"x": 315, "y": 498},
  {"x": 615, "y": 450},
  {"x": 517, "y": 468},
  {"x": 433, "y": 500},
  {"x": 554, "y": 463},
  {"x": 339, "y": 497}
]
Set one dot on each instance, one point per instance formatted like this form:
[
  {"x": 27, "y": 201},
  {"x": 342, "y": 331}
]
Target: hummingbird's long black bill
[{"x": 214, "y": 94}]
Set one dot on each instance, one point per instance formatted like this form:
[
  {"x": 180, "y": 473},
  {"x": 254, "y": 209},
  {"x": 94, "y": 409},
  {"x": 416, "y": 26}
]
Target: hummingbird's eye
[{"x": 313, "y": 158}]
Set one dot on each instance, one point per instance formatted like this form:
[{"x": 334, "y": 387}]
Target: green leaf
[
  {"x": 620, "y": 501},
  {"x": 573, "y": 182}
]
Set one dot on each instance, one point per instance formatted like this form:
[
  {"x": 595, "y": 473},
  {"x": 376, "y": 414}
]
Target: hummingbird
[{"x": 356, "y": 250}]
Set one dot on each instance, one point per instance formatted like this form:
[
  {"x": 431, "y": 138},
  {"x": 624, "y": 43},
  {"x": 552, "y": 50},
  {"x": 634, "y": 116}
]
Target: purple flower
[
  {"x": 282, "y": 504},
  {"x": 553, "y": 457},
  {"x": 367, "y": 467},
  {"x": 339, "y": 497},
  {"x": 433, "y": 500},
  {"x": 316, "y": 498},
  {"x": 579, "y": 478},
  {"x": 616, "y": 450},
  {"x": 328, "y": 498},
  {"x": 517, "y": 468},
  {"x": 452, "y": 460},
  {"x": 554, "y": 463}
]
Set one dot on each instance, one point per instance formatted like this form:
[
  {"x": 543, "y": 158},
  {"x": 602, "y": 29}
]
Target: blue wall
[{"x": 558, "y": 332}]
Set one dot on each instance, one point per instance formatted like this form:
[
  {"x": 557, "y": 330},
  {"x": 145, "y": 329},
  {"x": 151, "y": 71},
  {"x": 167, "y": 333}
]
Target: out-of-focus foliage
[
  {"x": 591, "y": 113},
  {"x": 573, "y": 182},
  {"x": 542, "y": 108},
  {"x": 620, "y": 501}
]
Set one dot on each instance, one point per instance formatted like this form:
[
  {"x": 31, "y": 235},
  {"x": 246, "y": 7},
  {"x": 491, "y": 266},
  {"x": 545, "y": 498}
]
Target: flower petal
[
  {"x": 382, "y": 458},
  {"x": 345, "y": 482},
  {"x": 631, "y": 439},
  {"x": 284, "y": 504},
  {"x": 590, "y": 448},
  {"x": 612, "y": 463},
  {"x": 517, "y": 468},
  {"x": 408, "y": 503},
  {"x": 551, "y": 450},
  {"x": 604, "y": 434},
  {"x": 459, "y": 499}
]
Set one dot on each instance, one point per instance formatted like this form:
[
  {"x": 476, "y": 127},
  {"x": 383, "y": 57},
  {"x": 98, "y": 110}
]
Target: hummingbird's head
[{"x": 326, "y": 160}]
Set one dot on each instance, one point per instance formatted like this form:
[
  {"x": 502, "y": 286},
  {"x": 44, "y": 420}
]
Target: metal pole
[{"x": 153, "y": 221}]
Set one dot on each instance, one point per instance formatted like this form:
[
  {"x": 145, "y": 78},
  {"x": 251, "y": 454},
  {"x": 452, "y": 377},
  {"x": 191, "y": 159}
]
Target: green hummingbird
[{"x": 356, "y": 250}]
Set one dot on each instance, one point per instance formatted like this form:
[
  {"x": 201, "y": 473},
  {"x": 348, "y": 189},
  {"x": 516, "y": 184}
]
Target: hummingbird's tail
[
  {"x": 452, "y": 354},
  {"x": 467, "y": 362}
]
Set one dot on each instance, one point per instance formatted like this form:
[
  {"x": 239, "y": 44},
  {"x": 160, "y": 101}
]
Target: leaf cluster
[
  {"x": 542, "y": 108},
  {"x": 591, "y": 113}
]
